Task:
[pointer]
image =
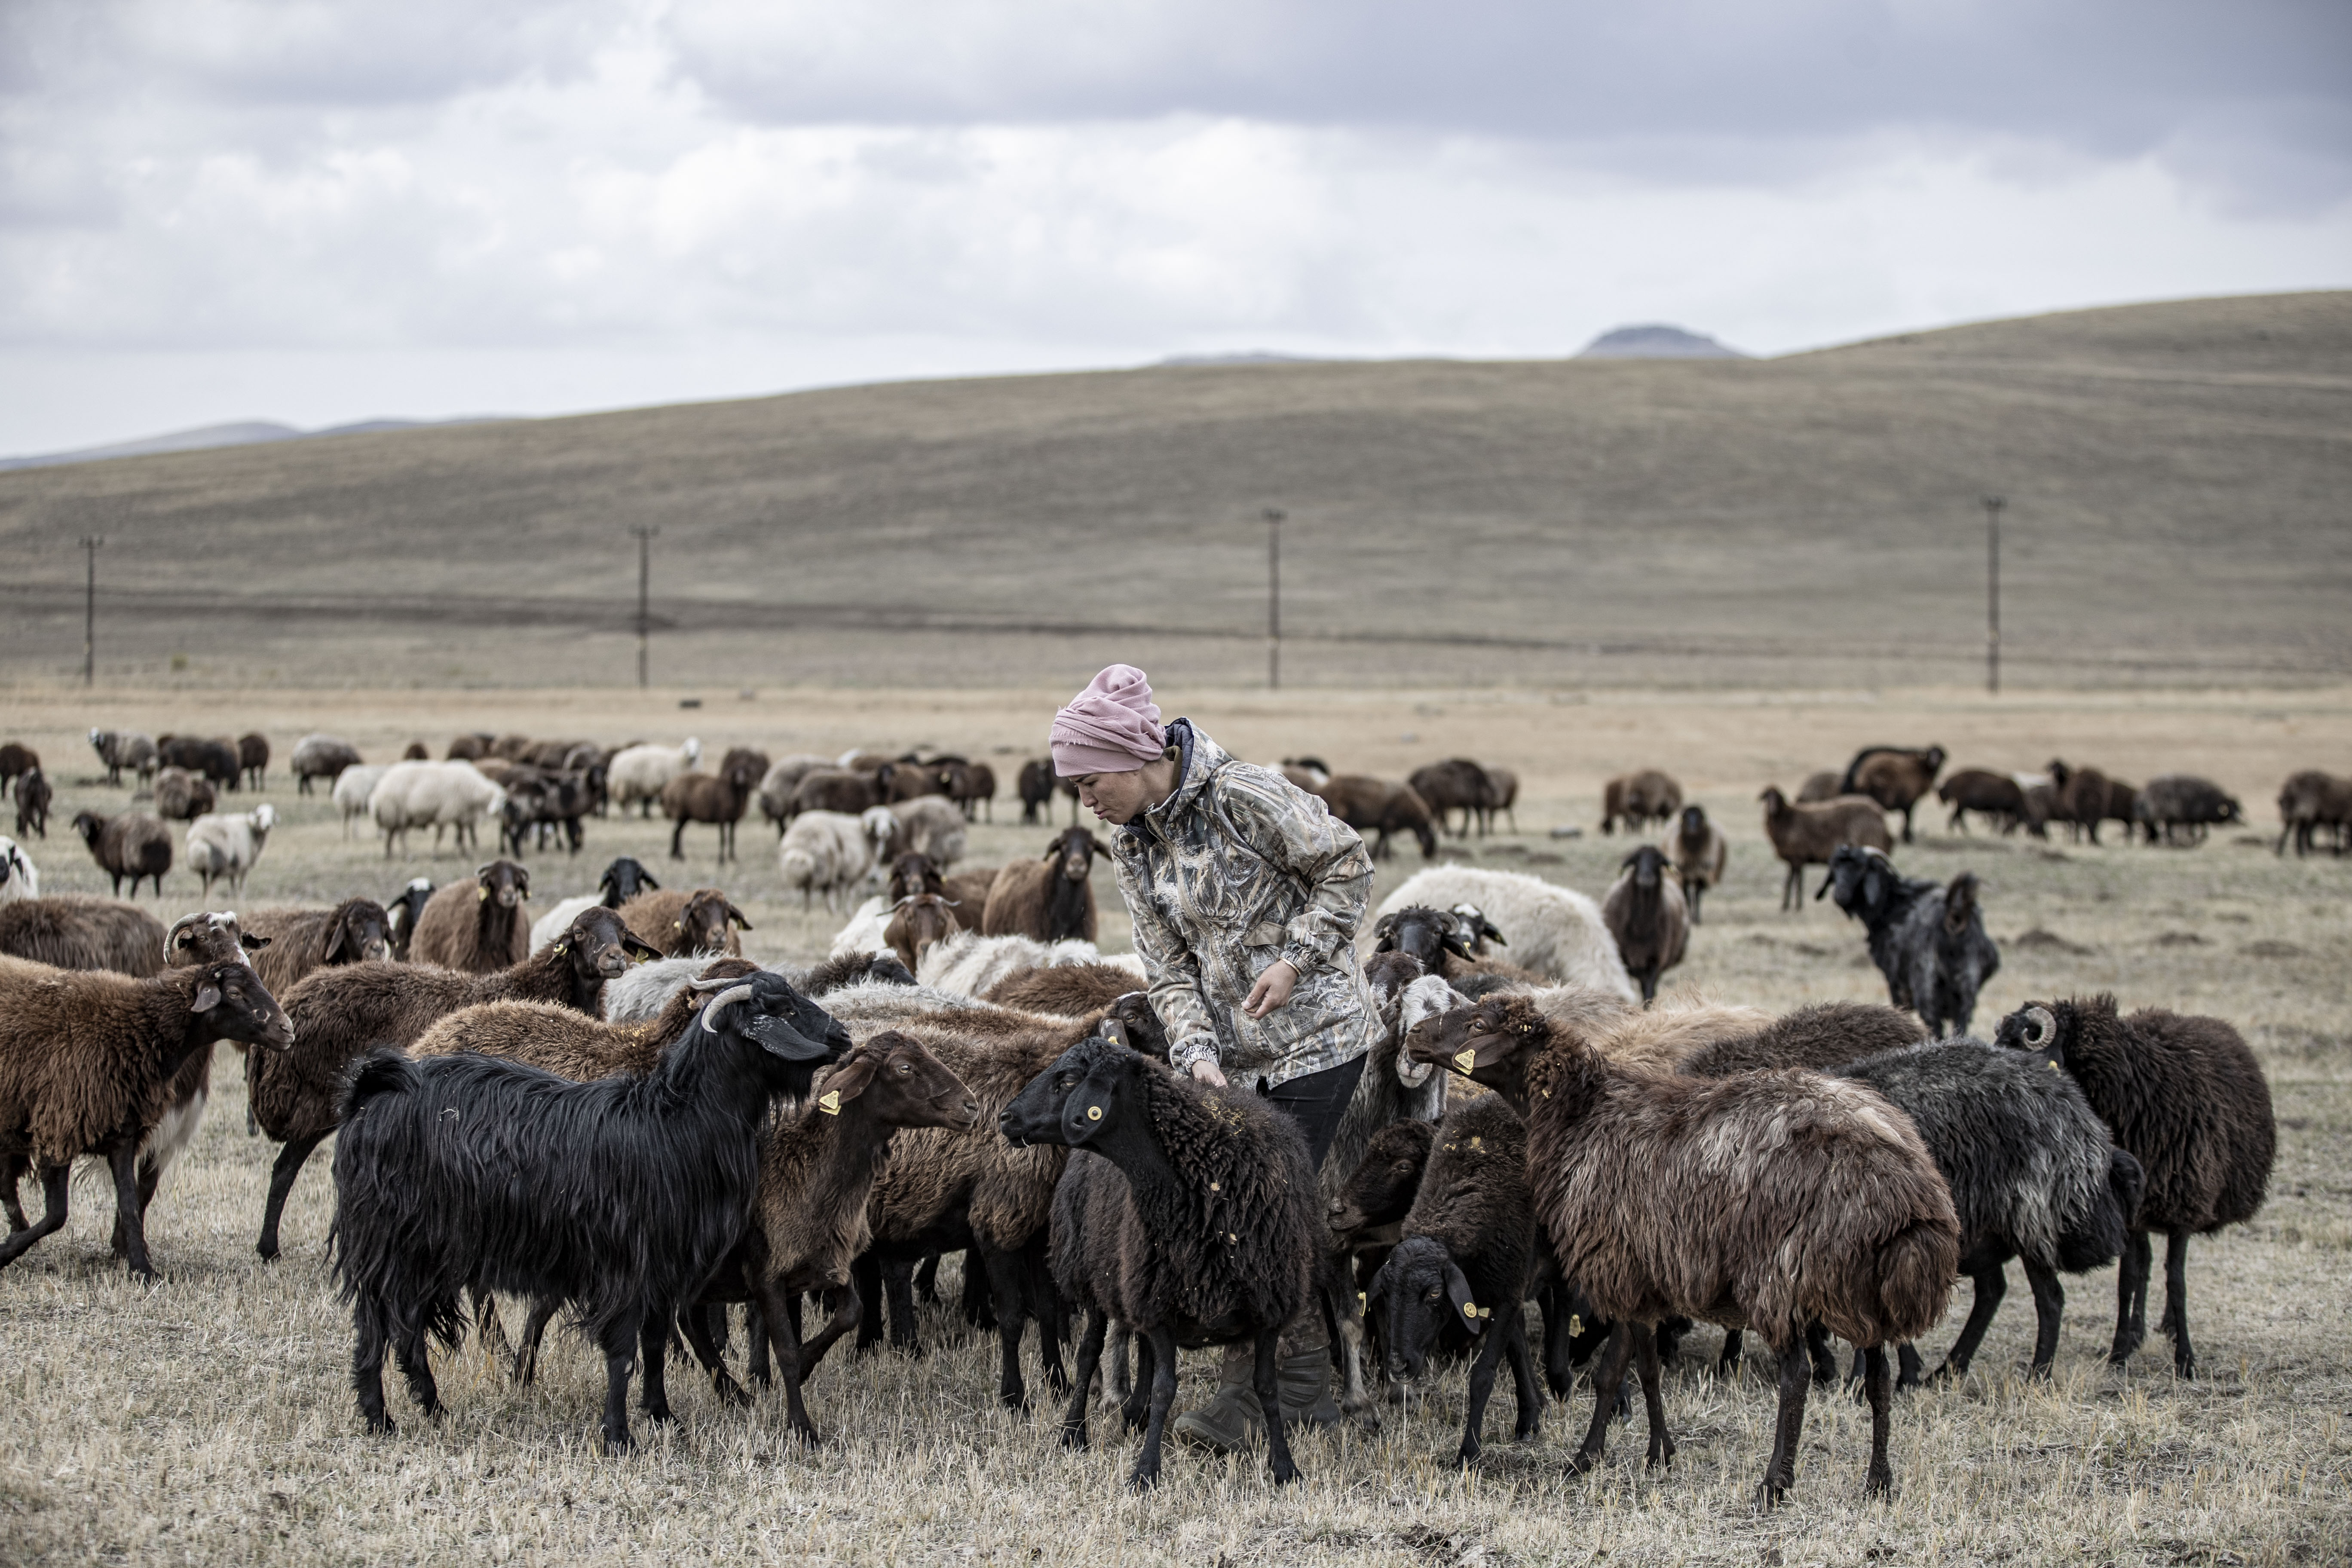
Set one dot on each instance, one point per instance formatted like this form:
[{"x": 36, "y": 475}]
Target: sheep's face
[
  {"x": 1647, "y": 867},
  {"x": 794, "y": 1036},
  {"x": 210, "y": 938},
  {"x": 1145, "y": 1033},
  {"x": 2045, "y": 1028},
  {"x": 922, "y": 922},
  {"x": 902, "y": 1084},
  {"x": 913, "y": 873},
  {"x": 1422, "y": 1295},
  {"x": 599, "y": 947},
  {"x": 1478, "y": 1041},
  {"x": 1381, "y": 1189},
  {"x": 1427, "y": 934},
  {"x": 362, "y": 934},
  {"x": 702, "y": 925},
  {"x": 1073, "y": 854},
  {"x": 1076, "y": 1100},
  {"x": 504, "y": 884},
  {"x": 1862, "y": 880},
  {"x": 624, "y": 879},
  {"x": 233, "y": 1004},
  {"x": 90, "y": 825}
]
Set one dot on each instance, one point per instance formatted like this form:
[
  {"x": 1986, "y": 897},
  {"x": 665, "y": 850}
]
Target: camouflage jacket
[{"x": 1238, "y": 867}]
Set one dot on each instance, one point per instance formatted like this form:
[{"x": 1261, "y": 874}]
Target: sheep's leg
[
  {"x": 417, "y": 1365},
  {"x": 534, "y": 1330},
  {"x": 54, "y": 1182},
  {"x": 1073, "y": 1420},
  {"x": 620, "y": 1350},
  {"x": 755, "y": 1347},
  {"x": 2176, "y": 1301},
  {"x": 1727, "y": 1363},
  {"x": 1355, "y": 1399},
  {"x": 1118, "y": 1382},
  {"x": 1268, "y": 1385},
  {"x": 1163, "y": 1395},
  {"x": 974, "y": 1300},
  {"x": 13, "y": 1172},
  {"x": 1607, "y": 1387},
  {"x": 1012, "y": 1314},
  {"x": 898, "y": 1287},
  {"x": 1796, "y": 1376},
  {"x": 487, "y": 1328},
  {"x": 776, "y": 1307},
  {"x": 653, "y": 1344},
  {"x": 1482, "y": 1388},
  {"x": 1823, "y": 1355},
  {"x": 1991, "y": 1284},
  {"x": 865, "y": 1273},
  {"x": 281, "y": 1181},
  {"x": 1653, "y": 1399},
  {"x": 846, "y": 1310},
  {"x": 677, "y": 841},
  {"x": 367, "y": 1362},
  {"x": 694, "y": 1323},
  {"x": 1135, "y": 1414},
  {"x": 130, "y": 1216},
  {"x": 2049, "y": 1311},
  {"x": 1879, "y": 1479},
  {"x": 927, "y": 1280},
  {"x": 1906, "y": 825},
  {"x": 1522, "y": 1380},
  {"x": 2131, "y": 1298}
]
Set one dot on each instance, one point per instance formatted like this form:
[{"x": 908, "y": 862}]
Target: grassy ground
[{"x": 208, "y": 1419}]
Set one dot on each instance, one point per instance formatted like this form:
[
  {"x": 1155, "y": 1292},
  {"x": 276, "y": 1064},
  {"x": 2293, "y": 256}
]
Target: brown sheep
[
  {"x": 82, "y": 930},
  {"x": 134, "y": 844},
  {"x": 917, "y": 924},
  {"x": 252, "y": 757},
  {"x": 1699, "y": 851},
  {"x": 1806, "y": 835},
  {"x": 1047, "y": 899},
  {"x": 300, "y": 940},
  {"x": 416, "y": 751},
  {"x": 33, "y": 798},
  {"x": 184, "y": 796},
  {"x": 16, "y": 759},
  {"x": 1819, "y": 787},
  {"x": 1069, "y": 989},
  {"x": 969, "y": 891},
  {"x": 1896, "y": 777},
  {"x": 2308, "y": 802},
  {"x": 1367, "y": 804},
  {"x": 1644, "y": 910},
  {"x": 972, "y": 786},
  {"x": 1995, "y": 795},
  {"x": 1035, "y": 787},
  {"x": 835, "y": 789},
  {"x": 682, "y": 924},
  {"x": 470, "y": 748},
  {"x": 1455, "y": 784},
  {"x": 478, "y": 926},
  {"x": 1638, "y": 799},
  {"x": 912, "y": 873},
  {"x": 719, "y": 799}
]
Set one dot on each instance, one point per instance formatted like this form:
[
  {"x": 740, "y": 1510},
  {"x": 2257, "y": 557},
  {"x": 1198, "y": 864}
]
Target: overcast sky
[{"x": 318, "y": 212}]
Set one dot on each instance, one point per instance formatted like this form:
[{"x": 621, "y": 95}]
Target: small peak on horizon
[
  {"x": 1656, "y": 340},
  {"x": 1247, "y": 356}
]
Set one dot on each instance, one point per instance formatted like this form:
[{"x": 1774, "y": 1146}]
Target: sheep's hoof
[
  {"x": 2183, "y": 1367},
  {"x": 1662, "y": 1453},
  {"x": 382, "y": 1426},
  {"x": 1143, "y": 1480},
  {"x": 729, "y": 1392},
  {"x": 1467, "y": 1455},
  {"x": 1879, "y": 1482},
  {"x": 619, "y": 1445},
  {"x": 1768, "y": 1497},
  {"x": 1074, "y": 1437},
  {"x": 1581, "y": 1462}
]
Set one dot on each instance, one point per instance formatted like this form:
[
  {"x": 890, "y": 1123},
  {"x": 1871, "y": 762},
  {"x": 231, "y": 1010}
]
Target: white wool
[
  {"x": 930, "y": 824},
  {"x": 864, "y": 931},
  {"x": 23, "y": 881},
  {"x": 1551, "y": 929},
  {"x": 431, "y": 795},
  {"x": 969, "y": 963},
  {"x": 640, "y": 771},
  {"x": 227, "y": 843},
  {"x": 353, "y": 787},
  {"x": 557, "y": 920},
  {"x": 826, "y": 852},
  {"x": 641, "y": 991}
]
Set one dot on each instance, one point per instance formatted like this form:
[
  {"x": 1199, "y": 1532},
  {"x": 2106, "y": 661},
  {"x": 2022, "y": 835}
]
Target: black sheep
[
  {"x": 1187, "y": 1214},
  {"x": 2183, "y": 1095},
  {"x": 616, "y": 1197},
  {"x": 1928, "y": 941}
]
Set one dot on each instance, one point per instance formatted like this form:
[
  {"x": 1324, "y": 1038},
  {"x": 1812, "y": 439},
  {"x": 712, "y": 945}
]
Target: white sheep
[
  {"x": 640, "y": 772},
  {"x": 353, "y": 787},
  {"x": 19, "y": 878},
  {"x": 826, "y": 851},
  {"x": 968, "y": 964},
  {"x": 227, "y": 843},
  {"x": 639, "y": 993},
  {"x": 545, "y": 930},
  {"x": 864, "y": 931},
  {"x": 1551, "y": 929},
  {"x": 441, "y": 796},
  {"x": 932, "y": 825}
]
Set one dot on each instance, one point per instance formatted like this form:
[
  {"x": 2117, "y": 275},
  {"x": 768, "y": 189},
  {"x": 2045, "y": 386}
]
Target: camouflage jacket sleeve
[
  {"x": 1175, "y": 983},
  {"x": 1324, "y": 854}
]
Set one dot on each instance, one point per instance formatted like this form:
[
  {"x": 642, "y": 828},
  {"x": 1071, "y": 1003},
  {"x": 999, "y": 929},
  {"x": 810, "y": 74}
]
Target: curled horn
[
  {"x": 2040, "y": 1027},
  {"x": 711, "y": 1010},
  {"x": 183, "y": 923}
]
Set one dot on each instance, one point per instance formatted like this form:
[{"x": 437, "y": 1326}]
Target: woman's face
[{"x": 1121, "y": 798}]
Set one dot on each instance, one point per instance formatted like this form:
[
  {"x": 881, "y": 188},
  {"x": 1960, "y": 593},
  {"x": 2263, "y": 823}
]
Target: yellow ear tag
[
  {"x": 1465, "y": 1060},
  {"x": 830, "y": 1102},
  {"x": 1575, "y": 1325},
  {"x": 1485, "y": 1311},
  {"x": 558, "y": 950},
  {"x": 1094, "y": 1113},
  {"x": 1361, "y": 1300},
  {"x": 481, "y": 893},
  {"x": 1469, "y": 1308},
  {"x": 2053, "y": 1067}
]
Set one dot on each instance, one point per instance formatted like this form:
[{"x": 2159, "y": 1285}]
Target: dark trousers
[{"x": 1317, "y": 1102}]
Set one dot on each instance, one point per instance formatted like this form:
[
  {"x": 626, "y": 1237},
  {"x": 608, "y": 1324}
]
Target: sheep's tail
[
  {"x": 1916, "y": 1269},
  {"x": 384, "y": 1070}
]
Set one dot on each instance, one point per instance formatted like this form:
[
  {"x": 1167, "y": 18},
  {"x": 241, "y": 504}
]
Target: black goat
[
  {"x": 618, "y": 1197},
  {"x": 1929, "y": 939}
]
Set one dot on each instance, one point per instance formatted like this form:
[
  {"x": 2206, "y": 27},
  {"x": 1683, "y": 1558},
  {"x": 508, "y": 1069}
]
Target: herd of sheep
[{"x": 610, "y": 1112}]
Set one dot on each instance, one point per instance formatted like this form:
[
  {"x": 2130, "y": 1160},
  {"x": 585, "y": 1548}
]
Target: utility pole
[
  {"x": 89, "y": 543},
  {"x": 1993, "y": 505},
  {"x": 1273, "y": 516},
  {"x": 645, "y": 584}
]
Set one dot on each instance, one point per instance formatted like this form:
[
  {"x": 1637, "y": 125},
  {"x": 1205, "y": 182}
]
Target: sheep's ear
[
  {"x": 1384, "y": 933},
  {"x": 636, "y": 947},
  {"x": 1053, "y": 852},
  {"x": 736, "y": 917},
  {"x": 646, "y": 884},
  {"x": 847, "y": 1081},
  {"x": 208, "y": 996},
  {"x": 1466, "y": 1308},
  {"x": 254, "y": 944}
]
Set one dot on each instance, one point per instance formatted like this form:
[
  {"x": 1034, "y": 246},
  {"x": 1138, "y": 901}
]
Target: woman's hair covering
[{"x": 1111, "y": 727}]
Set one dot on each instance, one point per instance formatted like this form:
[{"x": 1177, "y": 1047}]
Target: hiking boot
[
  {"x": 1304, "y": 1381},
  {"x": 1228, "y": 1424}
]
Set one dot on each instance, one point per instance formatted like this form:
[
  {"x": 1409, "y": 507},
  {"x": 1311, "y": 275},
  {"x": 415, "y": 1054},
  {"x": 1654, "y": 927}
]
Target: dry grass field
[{"x": 207, "y": 1419}]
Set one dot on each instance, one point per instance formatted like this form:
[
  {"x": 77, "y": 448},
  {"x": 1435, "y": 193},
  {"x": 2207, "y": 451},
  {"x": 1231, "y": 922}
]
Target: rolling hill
[{"x": 2175, "y": 476}]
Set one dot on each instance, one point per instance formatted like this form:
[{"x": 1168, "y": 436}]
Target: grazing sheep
[
  {"x": 19, "y": 878},
  {"x": 469, "y": 748},
  {"x": 405, "y": 911},
  {"x": 776, "y": 787},
  {"x": 1699, "y": 852},
  {"x": 624, "y": 879},
  {"x": 638, "y": 774},
  {"x": 15, "y": 760},
  {"x": 1187, "y": 1217},
  {"x": 1369, "y": 804},
  {"x": 228, "y": 846},
  {"x": 719, "y": 799},
  {"x": 1455, "y": 784},
  {"x": 32, "y": 796},
  {"x": 441, "y": 796},
  {"x": 1554, "y": 932},
  {"x": 213, "y": 760},
  {"x": 318, "y": 756},
  {"x": 2181, "y": 806},
  {"x": 82, "y": 930},
  {"x": 1996, "y": 796},
  {"x": 182, "y": 796},
  {"x": 970, "y": 964},
  {"x": 1768, "y": 1201},
  {"x": 1929, "y": 939},
  {"x": 252, "y": 757},
  {"x": 827, "y": 852},
  {"x": 972, "y": 786},
  {"x": 834, "y": 790},
  {"x": 120, "y": 749},
  {"x": 929, "y": 825},
  {"x": 1643, "y": 909},
  {"x": 352, "y": 789},
  {"x": 1460, "y": 1273},
  {"x": 1806, "y": 835},
  {"x": 618, "y": 1197},
  {"x": 1819, "y": 787},
  {"x": 1638, "y": 799},
  {"x": 2183, "y": 1095},
  {"x": 477, "y": 926},
  {"x": 300, "y": 940},
  {"x": 86, "y": 1062},
  {"x": 683, "y": 924},
  {"x": 1048, "y": 900},
  {"x": 1037, "y": 790},
  {"x": 2308, "y": 802},
  {"x": 134, "y": 844},
  {"x": 1893, "y": 776}
]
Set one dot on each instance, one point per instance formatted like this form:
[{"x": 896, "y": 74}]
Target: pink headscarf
[{"x": 1111, "y": 727}]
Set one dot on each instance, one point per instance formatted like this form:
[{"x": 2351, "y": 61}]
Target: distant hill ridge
[
  {"x": 240, "y": 433},
  {"x": 1656, "y": 341}
]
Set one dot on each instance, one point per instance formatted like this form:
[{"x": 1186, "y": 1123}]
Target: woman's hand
[
  {"x": 1208, "y": 1072},
  {"x": 1273, "y": 988}
]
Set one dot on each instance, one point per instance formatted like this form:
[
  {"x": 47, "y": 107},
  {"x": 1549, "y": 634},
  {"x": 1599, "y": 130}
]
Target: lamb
[
  {"x": 342, "y": 1012},
  {"x": 824, "y": 851},
  {"x": 622, "y": 879},
  {"x": 1766, "y": 1201},
  {"x": 1369, "y": 804},
  {"x": 1994, "y": 795},
  {"x": 252, "y": 757},
  {"x": 2308, "y": 802},
  {"x": 134, "y": 844},
  {"x": 182, "y": 796},
  {"x": 1699, "y": 851},
  {"x": 776, "y": 788},
  {"x": 638, "y": 774},
  {"x": 1644, "y": 910},
  {"x": 1896, "y": 777},
  {"x": 1037, "y": 790},
  {"x": 687, "y": 924},
  {"x": 213, "y": 760},
  {"x": 478, "y": 927},
  {"x": 16, "y": 759},
  {"x": 19, "y": 878},
  {"x": 618, "y": 1197},
  {"x": 718, "y": 798},
  {"x": 929, "y": 825},
  {"x": 404, "y": 911},
  {"x": 1461, "y": 1270},
  {"x": 352, "y": 789},
  {"x": 1637, "y": 799},
  {"x": 2181, "y": 806},
  {"x": 87, "y": 1060},
  {"x": 1187, "y": 1217},
  {"x": 1806, "y": 835},
  {"x": 969, "y": 963},
  {"x": 1049, "y": 900},
  {"x": 300, "y": 940},
  {"x": 319, "y": 756},
  {"x": 2183, "y": 1095},
  {"x": 33, "y": 798},
  {"x": 82, "y": 930},
  {"x": 120, "y": 749},
  {"x": 1555, "y": 931},
  {"x": 1928, "y": 941},
  {"x": 1455, "y": 784},
  {"x": 228, "y": 845},
  {"x": 441, "y": 796}
]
